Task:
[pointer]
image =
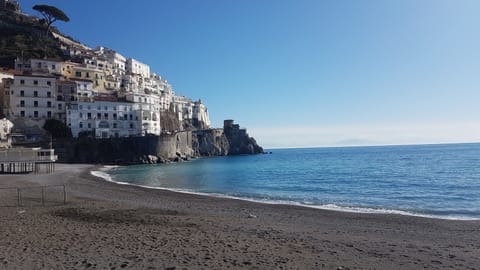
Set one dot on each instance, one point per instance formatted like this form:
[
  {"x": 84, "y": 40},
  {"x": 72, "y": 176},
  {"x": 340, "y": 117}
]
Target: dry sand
[{"x": 110, "y": 226}]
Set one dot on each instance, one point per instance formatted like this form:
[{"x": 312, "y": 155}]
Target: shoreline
[
  {"x": 102, "y": 174},
  {"x": 107, "y": 225}
]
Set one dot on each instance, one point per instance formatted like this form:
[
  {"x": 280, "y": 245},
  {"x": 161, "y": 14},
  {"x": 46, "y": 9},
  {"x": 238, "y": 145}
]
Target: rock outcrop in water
[
  {"x": 239, "y": 141},
  {"x": 231, "y": 140}
]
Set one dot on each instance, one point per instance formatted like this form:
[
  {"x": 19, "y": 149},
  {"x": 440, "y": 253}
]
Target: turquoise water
[{"x": 428, "y": 180}]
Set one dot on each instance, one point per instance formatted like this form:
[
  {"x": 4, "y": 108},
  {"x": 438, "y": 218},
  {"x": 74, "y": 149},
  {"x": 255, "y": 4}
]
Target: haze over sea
[{"x": 428, "y": 180}]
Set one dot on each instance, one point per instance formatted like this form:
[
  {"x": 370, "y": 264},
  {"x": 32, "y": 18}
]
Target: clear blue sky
[{"x": 306, "y": 73}]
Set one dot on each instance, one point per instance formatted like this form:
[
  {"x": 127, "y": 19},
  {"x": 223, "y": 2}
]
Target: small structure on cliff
[{"x": 240, "y": 142}]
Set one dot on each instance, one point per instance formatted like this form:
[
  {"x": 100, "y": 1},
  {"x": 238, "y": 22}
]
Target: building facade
[
  {"x": 136, "y": 67},
  {"x": 107, "y": 117},
  {"x": 33, "y": 97}
]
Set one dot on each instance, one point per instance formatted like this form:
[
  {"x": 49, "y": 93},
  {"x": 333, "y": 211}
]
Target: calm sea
[{"x": 426, "y": 180}]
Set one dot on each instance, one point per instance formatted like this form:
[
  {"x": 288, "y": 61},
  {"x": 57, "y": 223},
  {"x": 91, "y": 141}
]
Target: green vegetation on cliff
[{"x": 23, "y": 35}]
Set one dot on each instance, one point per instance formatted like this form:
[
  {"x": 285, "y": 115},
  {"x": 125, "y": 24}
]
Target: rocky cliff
[{"x": 176, "y": 146}]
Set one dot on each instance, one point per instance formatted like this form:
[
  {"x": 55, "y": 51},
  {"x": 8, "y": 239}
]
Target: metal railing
[{"x": 33, "y": 196}]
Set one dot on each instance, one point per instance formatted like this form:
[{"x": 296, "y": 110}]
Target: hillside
[{"x": 24, "y": 35}]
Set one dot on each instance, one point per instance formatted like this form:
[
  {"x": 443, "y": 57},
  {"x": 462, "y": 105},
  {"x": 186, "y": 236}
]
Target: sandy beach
[{"x": 104, "y": 225}]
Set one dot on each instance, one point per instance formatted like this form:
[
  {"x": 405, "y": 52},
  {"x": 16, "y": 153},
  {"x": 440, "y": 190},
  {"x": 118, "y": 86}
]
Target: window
[
  {"x": 103, "y": 124},
  {"x": 22, "y": 93},
  {"x": 53, "y": 67},
  {"x": 114, "y": 125},
  {"x": 59, "y": 106},
  {"x": 125, "y": 117},
  {"x": 131, "y": 117},
  {"x": 131, "y": 125},
  {"x": 22, "y": 103},
  {"x": 80, "y": 125},
  {"x": 99, "y": 116},
  {"x": 22, "y": 113},
  {"x": 81, "y": 115},
  {"x": 78, "y": 74},
  {"x": 49, "y": 104},
  {"x": 105, "y": 115},
  {"x": 87, "y": 75},
  {"x": 114, "y": 116},
  {"x": 35, "y": 82},
  {"x": 49, "y": 83},
  {"x": 49, "y": 114},
  {"x": 35, "y": 93},
  {"x": 35, "y": 103},
  {"x": 80, "y": 107},
  {"x": 89, "y": 125},
  {"x": 35, "y": 114},
  {"x": 49, "y": 94},
  {"x": 22, "y": 81},
  {"x": 89, "y": 115}
]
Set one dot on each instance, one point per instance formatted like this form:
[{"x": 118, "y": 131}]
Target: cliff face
[
  {"x": 240, "y": 142},
  {"x": 177, "y": 146},
  {"x": 210, "y": 142}
]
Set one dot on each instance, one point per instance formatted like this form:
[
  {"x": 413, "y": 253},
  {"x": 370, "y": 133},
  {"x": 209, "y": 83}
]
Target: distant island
[{"x": 96, "y": 105}]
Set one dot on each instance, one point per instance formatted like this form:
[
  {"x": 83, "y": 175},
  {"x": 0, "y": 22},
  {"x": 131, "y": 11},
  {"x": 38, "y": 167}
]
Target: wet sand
[{"x": 105, "y": 225}]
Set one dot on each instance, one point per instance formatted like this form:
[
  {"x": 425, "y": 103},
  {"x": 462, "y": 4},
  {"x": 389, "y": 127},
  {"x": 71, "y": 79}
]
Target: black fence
[{"x": 33, "y": 196}]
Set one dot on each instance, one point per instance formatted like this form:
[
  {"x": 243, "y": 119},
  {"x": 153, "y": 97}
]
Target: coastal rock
[
  {"x": 239, "y": 141},
  {"x": 179, "y": 146}
]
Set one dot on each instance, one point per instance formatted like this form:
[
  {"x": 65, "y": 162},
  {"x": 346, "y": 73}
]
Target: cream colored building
[{"x": 32, "y": 97}]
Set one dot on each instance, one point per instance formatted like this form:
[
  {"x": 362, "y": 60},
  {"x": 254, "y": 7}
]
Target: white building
[
  {"x": 84, "y": 89},
  {"x": 32, "y": 97},
  {"x": 200, "y": 114},
  {"x": 109, "y": 117},
  {"x": 51, "y": 66},
  {"x": 196, "y": 111},
  {"x": 5, "y": 130},
  {"x": 117, "y": 61},
  {"x": 137, "y": 67}
]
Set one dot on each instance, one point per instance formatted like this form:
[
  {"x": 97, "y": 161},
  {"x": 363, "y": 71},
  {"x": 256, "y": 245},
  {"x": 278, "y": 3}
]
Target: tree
[
  {"x": 51, "y": 14},
  {"x": 57, "y": 129}
]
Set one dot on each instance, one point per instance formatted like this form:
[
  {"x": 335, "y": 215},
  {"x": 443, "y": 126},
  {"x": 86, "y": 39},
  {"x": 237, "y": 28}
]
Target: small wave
[
  {"x": 102, "y": 175},
  {"x": 331, "y": 207}
]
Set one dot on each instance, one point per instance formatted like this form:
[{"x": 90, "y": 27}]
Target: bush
[{"x": 57, "y": 129}]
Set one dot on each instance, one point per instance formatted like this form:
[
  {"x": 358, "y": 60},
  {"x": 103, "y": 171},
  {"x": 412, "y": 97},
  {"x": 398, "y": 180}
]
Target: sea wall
[{"x": 177, "y": 146}]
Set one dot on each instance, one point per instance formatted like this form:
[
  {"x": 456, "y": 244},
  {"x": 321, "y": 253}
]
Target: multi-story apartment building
[
  {"x": 136, "y": 67},
  {"x": 196, "y": 111},
  {"x": 33, "y": 97},
  {"x": 85, "y": 72},
  {"x": 111, "y": 117},
  {"x": 116, "y": 60},
  {"x": 46, "y": 66}
]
